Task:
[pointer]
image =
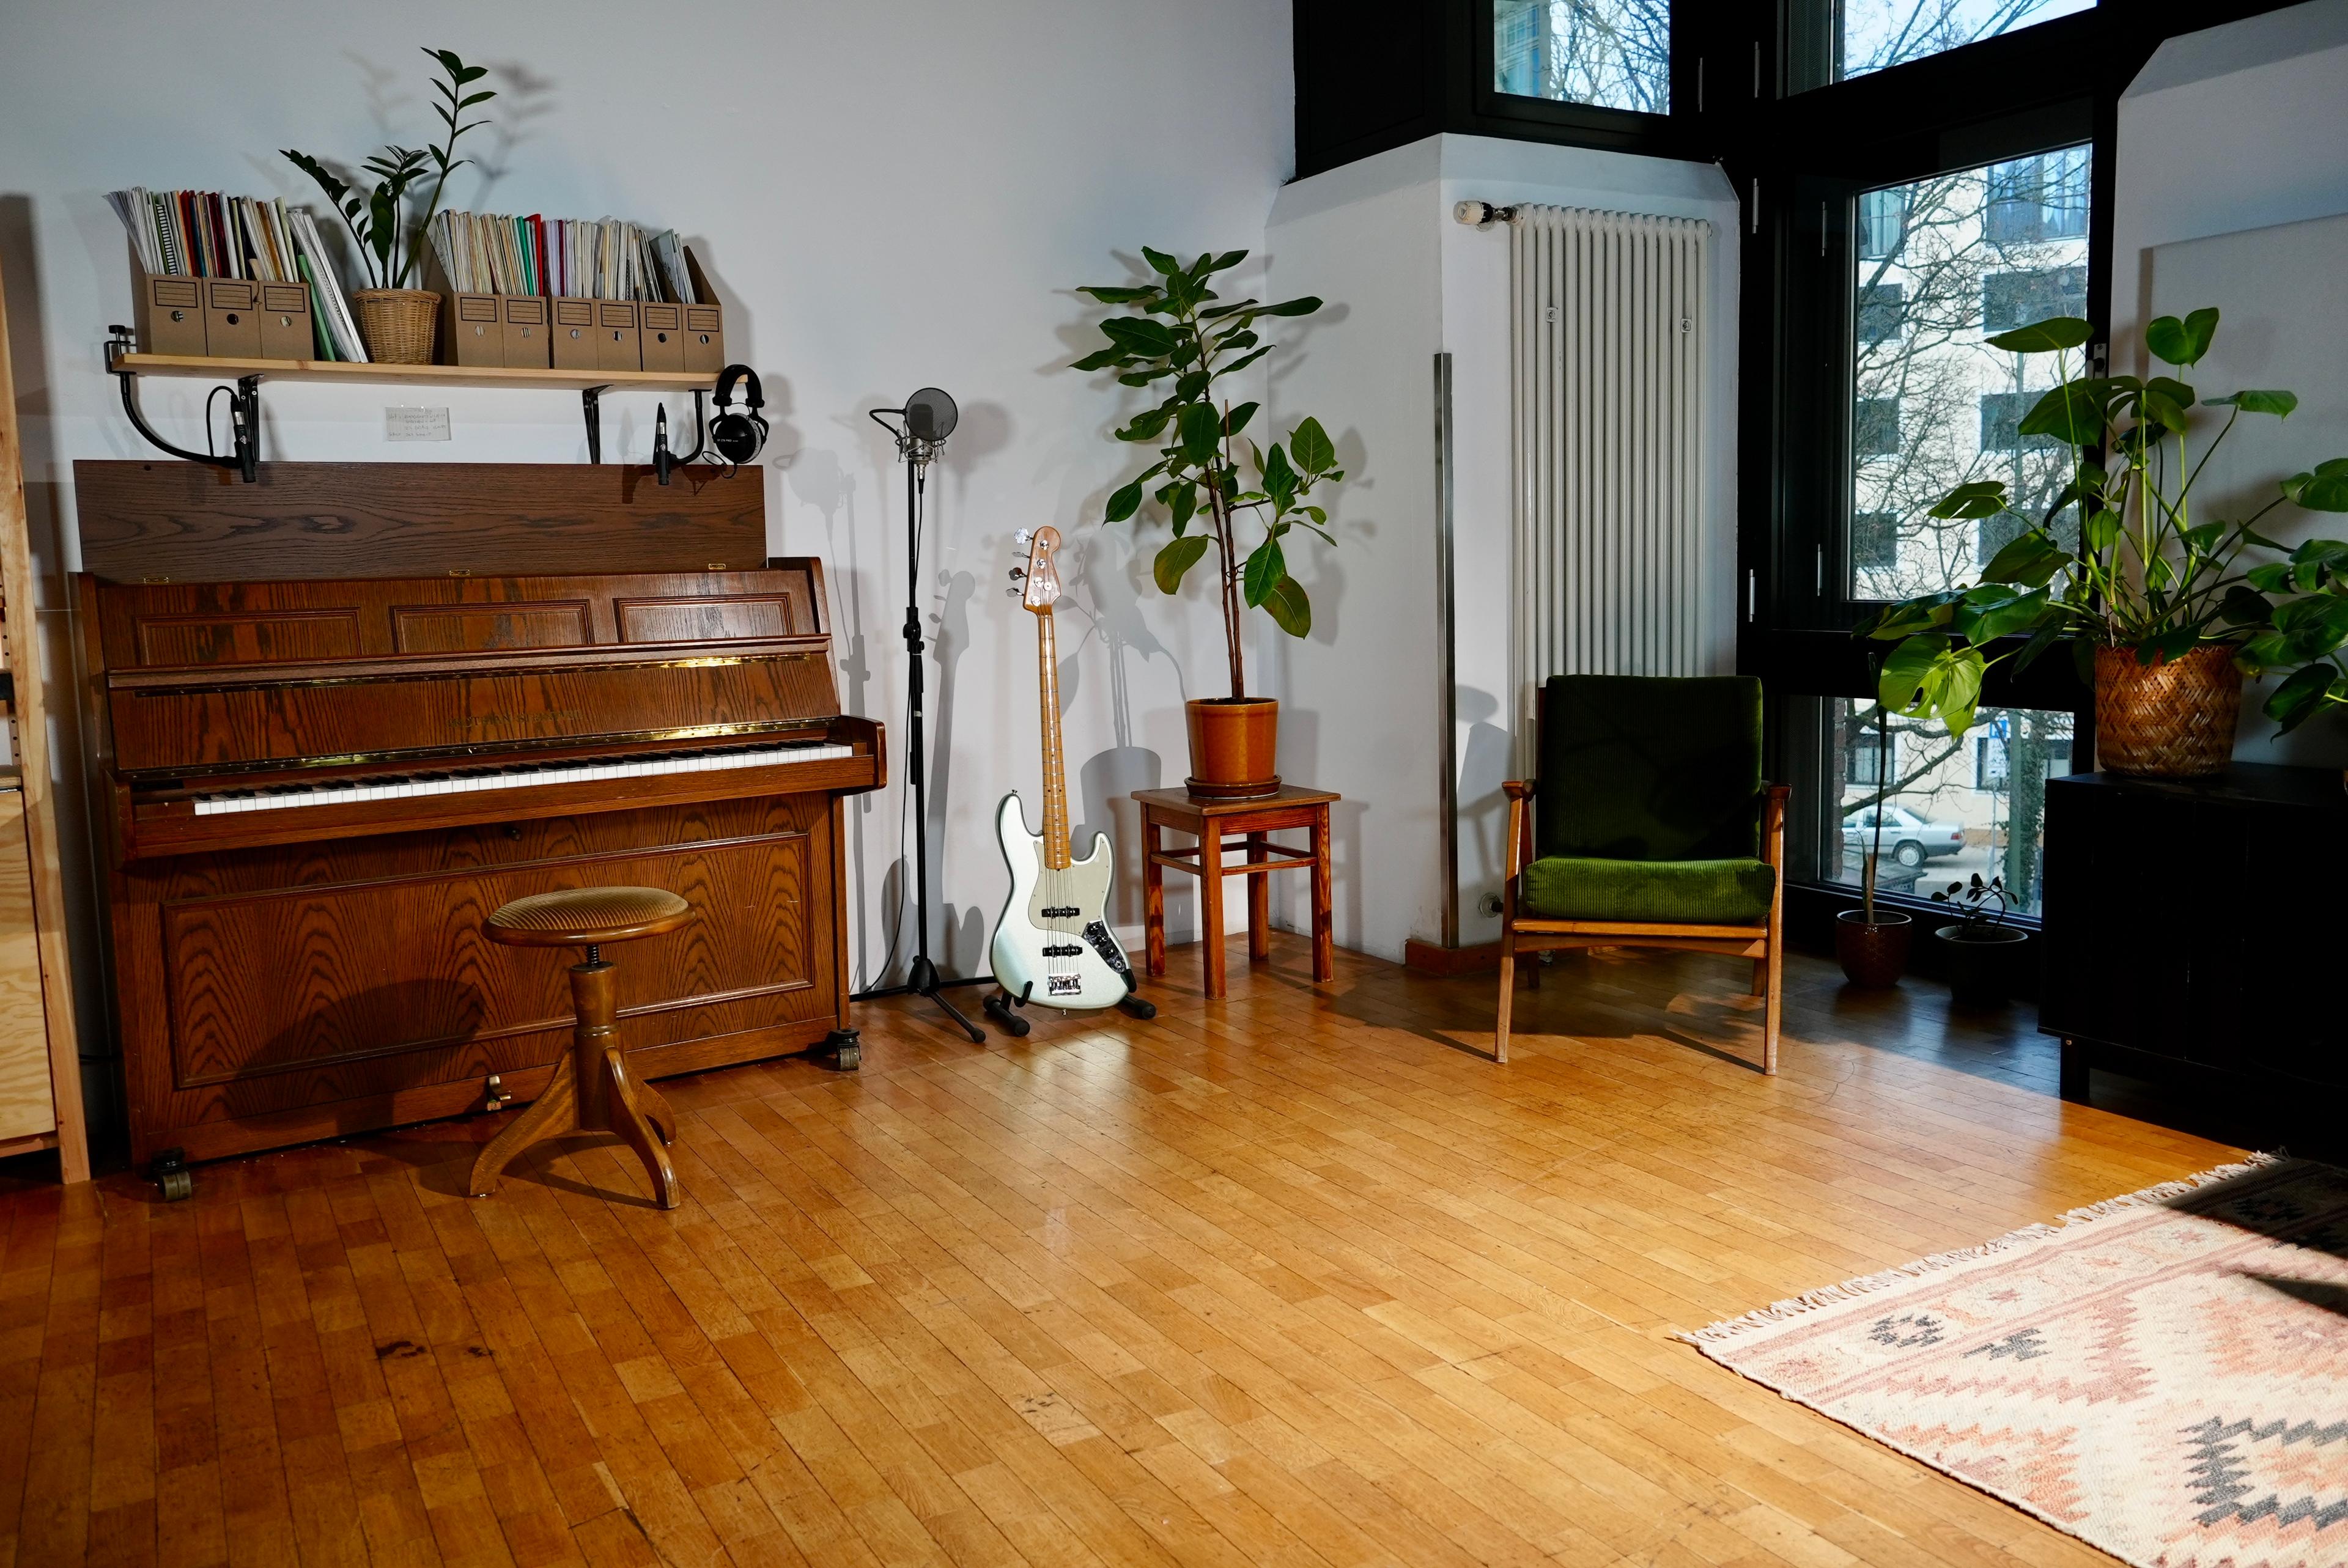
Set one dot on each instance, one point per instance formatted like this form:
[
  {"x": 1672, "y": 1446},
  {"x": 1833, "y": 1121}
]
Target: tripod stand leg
[{"x": 977, "y": 1035}]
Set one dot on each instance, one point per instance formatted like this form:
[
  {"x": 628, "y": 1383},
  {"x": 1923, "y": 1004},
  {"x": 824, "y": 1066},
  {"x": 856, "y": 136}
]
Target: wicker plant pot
[
  {"x": 397, "y": 324},
  {"x": 1874, "y": 954},
  {"x": 2172, "y": 719}
]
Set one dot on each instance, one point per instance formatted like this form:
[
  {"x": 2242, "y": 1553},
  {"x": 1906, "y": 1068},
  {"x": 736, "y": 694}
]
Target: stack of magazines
[
  {"x": 606, "y": 259},
  {"x": 204, "y": 234}
]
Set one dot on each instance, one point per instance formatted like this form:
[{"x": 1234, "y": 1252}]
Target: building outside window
[
  {"x": 1875, "y": 427},
  {"x": 1612, "y": 54},
  {"x": 1879, "y": 306},
  {"x": 2011, "y": 300},
  {"x": 2040, "y": 198}
]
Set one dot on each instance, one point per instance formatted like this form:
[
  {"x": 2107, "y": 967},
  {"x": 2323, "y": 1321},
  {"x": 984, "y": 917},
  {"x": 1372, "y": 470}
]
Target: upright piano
[{"x": 317, "y": 788}]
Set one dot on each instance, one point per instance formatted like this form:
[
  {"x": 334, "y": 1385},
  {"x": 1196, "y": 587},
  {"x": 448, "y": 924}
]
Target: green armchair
[{"x": 1652, "y": 828}]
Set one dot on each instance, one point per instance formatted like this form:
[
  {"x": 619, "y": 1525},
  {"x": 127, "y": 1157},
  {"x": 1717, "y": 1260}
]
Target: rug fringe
[{"x": 1850, "y": 1289}]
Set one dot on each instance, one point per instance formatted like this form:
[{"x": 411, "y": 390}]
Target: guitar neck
[{"x": 1055, "y": 783}]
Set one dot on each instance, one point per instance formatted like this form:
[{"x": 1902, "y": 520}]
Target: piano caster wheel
[
  {"x": 170, "y": 1172},
  {"x": 843, "y": 1050},
  {"x": 999, "y": 1009},
  {"x": 1133, "y": 1004}
]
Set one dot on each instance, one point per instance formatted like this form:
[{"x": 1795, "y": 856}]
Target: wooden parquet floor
[{"x": 1283, "y": 1280}]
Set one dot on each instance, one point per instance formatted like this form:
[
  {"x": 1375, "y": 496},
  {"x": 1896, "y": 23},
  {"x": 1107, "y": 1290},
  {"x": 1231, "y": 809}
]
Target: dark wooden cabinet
[{"x": 2192, "y": 931}]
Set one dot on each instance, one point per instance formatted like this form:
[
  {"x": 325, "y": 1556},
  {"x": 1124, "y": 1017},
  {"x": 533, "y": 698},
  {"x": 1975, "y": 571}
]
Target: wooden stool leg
[
  {"x": 551, "y": 1115},
  {"x": 655, "y": 1106},
  {"x": 1324, "y": 950},
  {"x": 1259, "y": 902},
  {"x": 627, "y": 1118},
  {"x": 1153, "y": 895},
  {"x": 1211, "y": 903}
]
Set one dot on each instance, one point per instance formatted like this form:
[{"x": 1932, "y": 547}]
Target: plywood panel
[{"x": 25, "y": 1106}]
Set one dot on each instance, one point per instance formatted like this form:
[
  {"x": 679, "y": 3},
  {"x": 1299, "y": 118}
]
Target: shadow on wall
[
  {"x": 48, "y": 513},
  {"x": 1100, "y": 593},
  {"x": 1486, "y": 763}
]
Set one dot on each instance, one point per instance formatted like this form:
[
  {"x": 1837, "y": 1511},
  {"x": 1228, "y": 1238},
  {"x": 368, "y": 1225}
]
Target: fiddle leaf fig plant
[
  {"x": 1210, "y": 478},
  {"x": 2117, "y": 559}
]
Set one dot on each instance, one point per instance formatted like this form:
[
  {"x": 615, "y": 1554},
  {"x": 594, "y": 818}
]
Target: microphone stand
[{"x": 921, "y": 975}]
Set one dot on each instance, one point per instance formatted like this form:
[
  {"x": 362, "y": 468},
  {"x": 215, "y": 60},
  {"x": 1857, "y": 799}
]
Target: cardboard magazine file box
[
  {"x": 616, "y": 325},
  {"x": 528, "y": 342},
  {"x": 659, "y": 335},
  {"x": 169, "y": 317},
  {"x": 285, "y": 329},
  {"x": 705, "y": 325},
  {"x": 232, "y": 318},
  {"x": 573, "y": 334},
  {"x": 473, "y": 328}
]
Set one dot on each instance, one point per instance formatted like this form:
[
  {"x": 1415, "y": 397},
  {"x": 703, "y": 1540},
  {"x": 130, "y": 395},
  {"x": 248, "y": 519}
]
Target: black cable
[{"x": 215, "y": 392}]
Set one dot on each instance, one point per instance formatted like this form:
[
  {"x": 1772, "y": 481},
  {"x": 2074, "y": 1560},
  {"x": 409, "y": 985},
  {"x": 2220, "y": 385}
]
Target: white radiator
[{"x": 1609, "y": 481}]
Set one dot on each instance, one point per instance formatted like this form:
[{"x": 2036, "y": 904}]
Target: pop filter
[{"x": 930, "y": 415}]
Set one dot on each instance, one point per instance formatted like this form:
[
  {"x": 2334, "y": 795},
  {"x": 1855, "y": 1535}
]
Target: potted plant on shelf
[
  {"x": 395, "y": 320},
  {"x": 1870, "y": 942},
  {"x": 1981, "y": 947},
  {"x": 1179, "y": 336},
  {"x": 2156, "y": 605}
]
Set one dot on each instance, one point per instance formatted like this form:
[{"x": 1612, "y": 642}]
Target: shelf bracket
[
  {"x": 243, "y": 415},
  {"x": 592, "y": 399}
]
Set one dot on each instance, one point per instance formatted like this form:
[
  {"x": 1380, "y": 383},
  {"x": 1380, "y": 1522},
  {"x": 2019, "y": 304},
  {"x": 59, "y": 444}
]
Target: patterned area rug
[{"x": 2163, "y": 1376}]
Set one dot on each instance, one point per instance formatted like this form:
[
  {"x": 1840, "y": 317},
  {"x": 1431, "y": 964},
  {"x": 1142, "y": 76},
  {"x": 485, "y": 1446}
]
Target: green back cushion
[{"x": 1638, "y": 767}]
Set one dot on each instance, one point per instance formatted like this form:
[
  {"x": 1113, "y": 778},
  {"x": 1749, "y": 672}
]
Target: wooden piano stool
[
  {"x": 591, "y": 1090},
  {"x": 1252, "y": 821}
]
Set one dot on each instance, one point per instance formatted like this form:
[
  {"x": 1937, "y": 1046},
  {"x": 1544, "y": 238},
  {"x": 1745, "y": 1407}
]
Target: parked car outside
[{"x": 1907, "y": 837}]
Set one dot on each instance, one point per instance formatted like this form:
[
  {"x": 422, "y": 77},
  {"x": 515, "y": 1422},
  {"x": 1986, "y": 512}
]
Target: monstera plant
[
  {"x": 2157, "y": 605},
  {"x": 1219, "y": 493}
]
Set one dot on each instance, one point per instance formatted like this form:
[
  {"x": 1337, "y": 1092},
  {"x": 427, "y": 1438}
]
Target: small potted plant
[
  {"x": 1872, "y": 942},
  {"x": 395, "y": 320},
  {"x": 1982, "y": 947},
  {"x": 1179, "y": 335}
]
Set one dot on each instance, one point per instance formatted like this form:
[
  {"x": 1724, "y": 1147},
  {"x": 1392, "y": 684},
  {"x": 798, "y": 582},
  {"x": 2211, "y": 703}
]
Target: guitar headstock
[{"x": 1042, "y": 584}]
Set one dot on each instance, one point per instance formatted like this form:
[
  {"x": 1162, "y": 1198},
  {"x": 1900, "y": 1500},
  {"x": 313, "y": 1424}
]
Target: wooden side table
[{"x": 1251, "y": 822}]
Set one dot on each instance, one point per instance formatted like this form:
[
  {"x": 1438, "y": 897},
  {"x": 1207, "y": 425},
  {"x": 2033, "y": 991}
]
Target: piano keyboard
[{"x": 281, "y": 797}]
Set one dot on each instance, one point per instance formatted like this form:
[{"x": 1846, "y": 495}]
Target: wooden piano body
[{"x": 317, "y": 791}]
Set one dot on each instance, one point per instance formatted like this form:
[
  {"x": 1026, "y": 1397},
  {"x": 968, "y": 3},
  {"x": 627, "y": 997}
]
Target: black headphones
[{"x": 739, "y": 430}]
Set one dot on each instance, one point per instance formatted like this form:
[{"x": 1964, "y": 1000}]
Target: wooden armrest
[
  {"x": 1517, "y": 789},
  {"x": 1774, "y": 797},
  {"x": 1520, "y": 837}
]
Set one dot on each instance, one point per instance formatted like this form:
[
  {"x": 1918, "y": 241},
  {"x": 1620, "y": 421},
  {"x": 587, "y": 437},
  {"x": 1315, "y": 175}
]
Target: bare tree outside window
[
  {"x": 1615, "y": 53},
  {"x": 1876, "y": 34}
]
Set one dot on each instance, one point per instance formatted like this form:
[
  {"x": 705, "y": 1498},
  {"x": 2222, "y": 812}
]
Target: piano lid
[{"x": 209, "y": 677}]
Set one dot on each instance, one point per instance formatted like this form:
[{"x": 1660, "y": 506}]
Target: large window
[
  {"x": 1977, "y": 251},
  {"x": 1950, "y": 809},
  {"x": 1612, "y": 53},
  {"x": 1849, "y": 38}
]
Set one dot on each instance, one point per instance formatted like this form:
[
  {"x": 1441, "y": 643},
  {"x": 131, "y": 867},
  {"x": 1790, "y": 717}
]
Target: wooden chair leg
[
  {"x": 1760, "y": 977},
  {"x": 626, "y": 1111},
  {"x": 1775, "y": 966},
  {"x": 1507, "y": 994},
  {"x": 1533, "y": 971},
  {"x": 551, "y": 1115}
]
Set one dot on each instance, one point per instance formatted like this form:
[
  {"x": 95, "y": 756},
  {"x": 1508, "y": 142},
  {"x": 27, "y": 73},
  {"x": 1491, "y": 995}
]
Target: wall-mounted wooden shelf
[{"x": 407, "y": 374}]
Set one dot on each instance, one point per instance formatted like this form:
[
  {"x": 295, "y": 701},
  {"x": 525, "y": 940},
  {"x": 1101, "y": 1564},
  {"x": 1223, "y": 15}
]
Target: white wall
[
  {"x": 2235, "y": 132},
  {"x": 887, "y": 196},
  {"x": 1378, "y": 235}
]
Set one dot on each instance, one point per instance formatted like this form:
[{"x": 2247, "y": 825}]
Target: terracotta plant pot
[
  {"x": 396, "y": 325},
  {"x": 1233, "y": 742},
  {"x": 2173, "y": 720},
  {"x": 1874, "y": 955},
  {"x": 1982, "y": 966}
]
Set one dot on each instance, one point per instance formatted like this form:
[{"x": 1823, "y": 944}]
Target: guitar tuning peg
[
  {"x": 1011, "y": 591},
  {"x": 1017, "y": 572},
  {"x": 1023, "y": 537}
]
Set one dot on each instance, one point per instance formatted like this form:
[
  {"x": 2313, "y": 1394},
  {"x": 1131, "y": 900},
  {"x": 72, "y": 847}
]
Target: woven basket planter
[
  {"x": 397, "y": 324},
  {"x": 2171, "y": 719}
]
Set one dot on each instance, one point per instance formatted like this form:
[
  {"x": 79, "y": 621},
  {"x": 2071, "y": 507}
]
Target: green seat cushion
[{"x": 1730, "y": 892}]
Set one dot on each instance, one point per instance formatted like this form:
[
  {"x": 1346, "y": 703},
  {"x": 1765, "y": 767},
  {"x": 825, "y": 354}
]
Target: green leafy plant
[
  {"x": 1180, "y": 338},
  {"x": 1977, "y": 905},
  {"x": 389, "y": 246},
  {"x": 2137, "y": 571}
]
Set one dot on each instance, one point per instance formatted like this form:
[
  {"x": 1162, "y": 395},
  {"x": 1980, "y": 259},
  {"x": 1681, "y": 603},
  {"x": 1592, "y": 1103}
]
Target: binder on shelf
[
  {"x": 522, "y": 318},
  {"x": 705, "y": 325},
  {"x": 573, "y": 334},
  {"x": 659, "y": 335},
  {"x": 616, "y": 325}
]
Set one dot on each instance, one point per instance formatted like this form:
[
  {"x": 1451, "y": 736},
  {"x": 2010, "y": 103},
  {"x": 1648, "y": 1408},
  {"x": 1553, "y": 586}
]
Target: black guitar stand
[{"x": 1001, "y": 1005}]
